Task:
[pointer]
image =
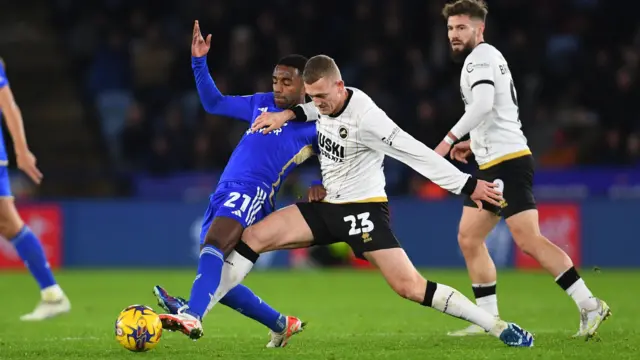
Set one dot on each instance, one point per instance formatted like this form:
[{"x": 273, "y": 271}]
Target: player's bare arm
[
  {"x": 25, "y": 159},
  {"x": 269, "y": 121}
]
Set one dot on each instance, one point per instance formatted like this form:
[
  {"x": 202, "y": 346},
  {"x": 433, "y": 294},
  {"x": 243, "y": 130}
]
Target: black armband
[
  {"x": 470, "y": 186},
  {"x": 298, "y": 111}
]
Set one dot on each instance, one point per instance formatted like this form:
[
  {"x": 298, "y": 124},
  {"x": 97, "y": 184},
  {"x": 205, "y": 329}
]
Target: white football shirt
[
  {"x": 491, "y": 108},
  {"x": 353, "y": 144}
]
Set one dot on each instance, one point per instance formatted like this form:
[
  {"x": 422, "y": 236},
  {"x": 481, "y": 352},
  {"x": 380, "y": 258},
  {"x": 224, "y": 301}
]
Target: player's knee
[
  {"x": 223, "y": 244},
  {"x": 10, "y": 221},
  {"x": 10, "y": 227},
  {"x": 469, "y": 241},
  {"x": 255, "y": 239}
]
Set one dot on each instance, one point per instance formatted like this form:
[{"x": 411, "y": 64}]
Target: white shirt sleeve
[
  {"x": 306, "y": 112},
  {"x": 480, "y": 70},
  {"x": 380, "y": 133},
  {"x": 483, "y": 97}
]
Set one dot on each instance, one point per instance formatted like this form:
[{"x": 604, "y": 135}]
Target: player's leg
[
  {"x": 284, "y": 228},
  {"x": 407, "y": 282},
  {"x": 526, "y": 233},
  {"x": 231, "y": 209},
  {"x": 222, "y": 232},
  {"x": 475, "y": 226},
  {"x": 240, "y": 298},
  {"x": 54, "y": 301},
  {"x": 281, "y": 327},
  {"x": 521, "y": 216}
]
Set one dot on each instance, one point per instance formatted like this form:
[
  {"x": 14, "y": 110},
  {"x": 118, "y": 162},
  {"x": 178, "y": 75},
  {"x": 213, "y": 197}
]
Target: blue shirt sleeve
[
  {"x": 213, "y": 101},
  {"x": 3, "y": 78}
]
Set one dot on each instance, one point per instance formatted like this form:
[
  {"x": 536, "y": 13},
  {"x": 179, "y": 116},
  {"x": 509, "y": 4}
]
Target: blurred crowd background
[{"x": 108, "y": 95}]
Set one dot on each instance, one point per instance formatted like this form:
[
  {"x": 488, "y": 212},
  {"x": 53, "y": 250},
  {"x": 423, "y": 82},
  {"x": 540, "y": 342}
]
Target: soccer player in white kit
[
  {"x": 492, "y": 119},
  {"x": 354, "y": 135}
]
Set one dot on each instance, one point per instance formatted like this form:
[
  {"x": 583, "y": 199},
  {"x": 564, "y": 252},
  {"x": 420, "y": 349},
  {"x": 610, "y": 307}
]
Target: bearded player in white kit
[
  {"x": 354, "y": 135},
  {"x": 492, "y": 119}
]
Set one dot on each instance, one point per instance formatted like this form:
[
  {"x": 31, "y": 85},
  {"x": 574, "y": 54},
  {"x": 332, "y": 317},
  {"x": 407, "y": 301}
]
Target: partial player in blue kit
[
  {"x": 245, "y": 194},
  {"x": 54, "y": 302}
]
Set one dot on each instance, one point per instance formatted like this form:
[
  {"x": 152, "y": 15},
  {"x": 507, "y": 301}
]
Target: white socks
[
  {"x": 450, "y": 301},
  {"x": 581, "y": 294},
  {"x": 235, "y": 269},
  {"x": 486, "y": 297}
]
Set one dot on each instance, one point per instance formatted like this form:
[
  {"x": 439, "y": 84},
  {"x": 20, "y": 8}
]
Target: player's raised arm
[
  {"x": 380, "y": 133},
  {"x": 25, "y": 159},
  {"x": 268, "y": 121},
  {"x": 213, "y": 101}
]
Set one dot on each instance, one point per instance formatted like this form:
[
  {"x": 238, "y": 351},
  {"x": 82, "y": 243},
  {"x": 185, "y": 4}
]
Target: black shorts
[
  {"x": 515, "y": 179},
  {"x": 364, "y": 226}
]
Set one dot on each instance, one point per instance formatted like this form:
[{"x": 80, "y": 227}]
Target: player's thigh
[
  {"x": 524, "y": 227},
  {"x": 364, "y": 226},
  {"x": 232, "y": 208},
  {"x": 475, "y": 225},
  {"x": 398, "y": 271},
  {"x": 283, "y": 229}
]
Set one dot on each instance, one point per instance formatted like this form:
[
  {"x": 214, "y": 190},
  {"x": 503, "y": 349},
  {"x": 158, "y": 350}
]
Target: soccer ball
[{"x": 138, "y": 328}]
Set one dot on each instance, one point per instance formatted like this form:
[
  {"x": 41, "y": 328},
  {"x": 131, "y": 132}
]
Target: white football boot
[
  {"x": 54, "y": 302},
  {"x": 293, "y": 326},
  {"x": 591, "y": 319},
  {"x": 471, "y": 330}
]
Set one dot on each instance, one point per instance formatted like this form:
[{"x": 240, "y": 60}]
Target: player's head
[
  {"x": 465, "y": 24},
  {"x": 288, "y": 89},
  {"x": 2, "y": 65},
  {"x": 323, "y": 83}
]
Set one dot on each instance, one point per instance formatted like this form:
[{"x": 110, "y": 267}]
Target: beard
[{"x": 458, "y": 56}]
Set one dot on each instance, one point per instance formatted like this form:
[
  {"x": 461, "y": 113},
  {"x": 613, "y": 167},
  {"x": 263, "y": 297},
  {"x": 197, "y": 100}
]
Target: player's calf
[
  {"x": 400, "y": 273},
  {"x": 54, "y": 302},
  {"x": 526, "y": 233}
]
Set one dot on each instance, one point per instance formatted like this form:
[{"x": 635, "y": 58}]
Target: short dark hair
[
  {"x": 318, "y": 67},
  {"x": 476, "y": 9},
  {"x": 295, "y": 61}
]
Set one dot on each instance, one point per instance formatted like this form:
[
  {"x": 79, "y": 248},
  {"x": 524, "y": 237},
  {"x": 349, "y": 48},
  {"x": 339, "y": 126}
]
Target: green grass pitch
[{"x": 351, "y": 315}]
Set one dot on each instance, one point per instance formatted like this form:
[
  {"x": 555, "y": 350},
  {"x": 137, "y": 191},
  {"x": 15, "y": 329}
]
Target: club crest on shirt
[{"x": 343, "y": 132}]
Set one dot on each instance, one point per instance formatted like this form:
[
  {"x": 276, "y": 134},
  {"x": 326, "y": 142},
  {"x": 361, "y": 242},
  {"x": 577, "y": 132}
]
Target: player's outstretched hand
[
  {"x": 486, "y": 191},
  {"x": 269, "y": 121},
  {"x": 461, "y": 151},
  {"x": 199, "y": 46},
  {"x": 316, "y": 193},
  {"x": 27, "y": 163}
]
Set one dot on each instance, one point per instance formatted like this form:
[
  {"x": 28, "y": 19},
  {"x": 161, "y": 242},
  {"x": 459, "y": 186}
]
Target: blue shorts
[
  {"x": 5, "y": 184},
  {"x": 245, "y": 203}
]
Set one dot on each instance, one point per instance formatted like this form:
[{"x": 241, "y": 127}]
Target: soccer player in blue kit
[
  {"x": 54, "y": 302},
  {"x": 245, "y": 193}
]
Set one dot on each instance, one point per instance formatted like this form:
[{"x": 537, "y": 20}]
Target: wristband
[
  {"x": 470, "y": 186},
  {"x": 448, "y": 140}
]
